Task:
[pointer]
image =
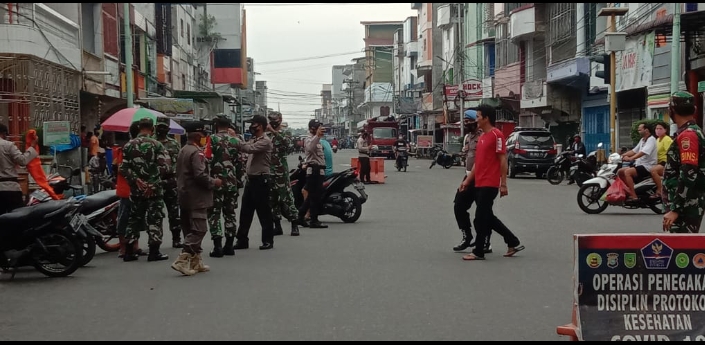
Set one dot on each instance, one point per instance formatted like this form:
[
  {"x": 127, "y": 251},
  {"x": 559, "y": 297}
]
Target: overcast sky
[{"x": 306, "y": 32}]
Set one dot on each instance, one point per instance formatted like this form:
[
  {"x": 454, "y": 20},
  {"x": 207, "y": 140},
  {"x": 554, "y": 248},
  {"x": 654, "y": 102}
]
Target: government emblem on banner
[
  {"x": 657, "y": 255},
  {"x": 612, "y": 260},
  {"x": 629, "y": 260}
]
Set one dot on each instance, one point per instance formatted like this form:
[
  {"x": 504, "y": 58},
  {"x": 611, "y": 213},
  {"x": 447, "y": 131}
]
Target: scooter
[
  {"x": 583, "y": 169},
  {"x": 335, "y": 148},
  {"x": 45, "y": 236},
  {"x": 336, "y": 201},
  {"x": 402, "y": 161},
  {"x": 592, "y": 195},
  {"x": 444, "y": 159}
]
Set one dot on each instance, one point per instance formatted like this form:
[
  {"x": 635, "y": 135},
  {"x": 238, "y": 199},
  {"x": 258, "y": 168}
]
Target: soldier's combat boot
[
  {"x": 294, "y": 228},
  {"x": 278, "y": 231},
  {"x": 197, "y": 264},
  {"x": 155, "y": 255},
  {"x": 130, "y": 254},
  {"x": 217, "y": 248},
  {"x": 176, "y": 238},
  {"x": 229, "y": 248},
  {"x": 466, "y": 242},
  {"x": 183, "y": 264}
]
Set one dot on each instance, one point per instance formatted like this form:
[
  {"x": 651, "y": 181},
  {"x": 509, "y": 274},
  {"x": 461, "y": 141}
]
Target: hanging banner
[
  {"x": 635, "y": 287},
  {"x": 634, "y": 66}
]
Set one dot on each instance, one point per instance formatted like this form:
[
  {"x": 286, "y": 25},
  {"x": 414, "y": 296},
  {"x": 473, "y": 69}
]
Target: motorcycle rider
[
  {"x": 464, "y": 199},
  {"x": 684, "y": 176},
  {"x": 10, "y": 155},
  {"x": 401, "y": 142},
  {"x": 578, "y": 148},
  {"x": 645, "y": 156}
]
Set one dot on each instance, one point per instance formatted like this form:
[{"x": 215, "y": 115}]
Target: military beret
[{"x": 163, "y": 121}]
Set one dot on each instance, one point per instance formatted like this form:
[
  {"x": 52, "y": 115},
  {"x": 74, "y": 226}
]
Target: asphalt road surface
[{"x": 390, "y": 276}]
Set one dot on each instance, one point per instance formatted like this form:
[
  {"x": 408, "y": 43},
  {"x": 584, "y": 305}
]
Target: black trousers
[
  {"x": 365, "y": 169},
  {"x": 461, "y": 206},
  {"x": 314, "y": 187},
  {"x": 486, "y": 221},
  {"x": 10, "y": 201},
  {"x": 255, "y": 198}
]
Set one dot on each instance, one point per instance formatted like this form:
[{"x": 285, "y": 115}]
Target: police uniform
[{"x": 315, "y": 176}]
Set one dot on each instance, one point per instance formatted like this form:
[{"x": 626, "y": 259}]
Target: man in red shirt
[{"x": 490, "y": 176}]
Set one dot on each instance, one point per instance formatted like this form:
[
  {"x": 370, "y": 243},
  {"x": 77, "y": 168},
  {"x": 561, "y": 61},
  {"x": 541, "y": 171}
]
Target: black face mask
[
  {"x": 471, "y": 128},
  {"x": 274, "y": 124}
]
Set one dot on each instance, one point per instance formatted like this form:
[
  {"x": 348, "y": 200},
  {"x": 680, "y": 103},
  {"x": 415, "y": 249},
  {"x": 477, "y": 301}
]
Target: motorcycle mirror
[
  {"x": 599, "y": 145},
  {"x": 581, "y": 155}
]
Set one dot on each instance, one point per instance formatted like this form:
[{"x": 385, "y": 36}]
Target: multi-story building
[
  {"x": 406, "y": 87},
  {"x": 379, "y": 43},
  {"x": 353, "y": 87},
  {"x": 430, "y": 69},
  {"x": 326, "y": 105},
  {"x": 479, "y": 54},
  {"x": 337, "y": 84}
]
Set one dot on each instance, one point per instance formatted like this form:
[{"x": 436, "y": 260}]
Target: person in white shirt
[{"x": 645, "y": 155}]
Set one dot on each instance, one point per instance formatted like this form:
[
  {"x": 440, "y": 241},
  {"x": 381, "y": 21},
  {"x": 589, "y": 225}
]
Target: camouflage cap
[
  {"x": 163, "y": 121},
  {"x": 145, "y": 121},
  {"x": 682, "y": 98}
]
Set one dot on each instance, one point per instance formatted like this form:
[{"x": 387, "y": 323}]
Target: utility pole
[
  {"x": 676, "y": 48},
  {"x": 461, "y": 74},
  {"x": 612, "y": 13},
  {"x": 129, "y": 82}
]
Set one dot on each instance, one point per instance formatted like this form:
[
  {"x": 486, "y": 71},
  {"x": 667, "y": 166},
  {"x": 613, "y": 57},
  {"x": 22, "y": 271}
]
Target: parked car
[{"x": 530, "y": 150}]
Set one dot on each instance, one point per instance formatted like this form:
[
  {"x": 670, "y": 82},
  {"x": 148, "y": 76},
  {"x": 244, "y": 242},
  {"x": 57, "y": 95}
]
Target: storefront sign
[
  {"x": 640, "y": 287},
  {"x": 424, "y": 141},
  {"x": 56, "y": 133},
  {"x": 472, "y": 89},
  {"x": 635, "y": 64}
]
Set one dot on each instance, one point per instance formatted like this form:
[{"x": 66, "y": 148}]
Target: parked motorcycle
[
  {"x": 445, "y": 159},
  {"x": 583, "y": 169},
  {"x": 100, "y": 210},
  {"x": 336, "y": 201},
  {"x": 402, "y": 161},
  {"x": 42, "y": 236},
  {"x": 592, "y": 195}
]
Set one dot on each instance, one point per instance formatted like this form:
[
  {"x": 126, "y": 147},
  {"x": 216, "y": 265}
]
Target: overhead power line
[{"x": 310, "y": 58}]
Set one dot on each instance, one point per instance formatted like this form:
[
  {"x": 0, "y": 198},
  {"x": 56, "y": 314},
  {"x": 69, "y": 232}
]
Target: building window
[
  {"x": 590, "y": 24},
  {"x": 562, "y": 24},
  {"x": 501, "y": 46},
  {"x": 509, "y": 7},
  {"x": 182, "y": 28},
  {"x": 188, "y": 33}
]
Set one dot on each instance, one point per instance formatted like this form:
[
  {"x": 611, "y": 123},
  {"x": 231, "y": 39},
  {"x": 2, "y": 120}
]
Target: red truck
[{"x": 383, "y": 134}]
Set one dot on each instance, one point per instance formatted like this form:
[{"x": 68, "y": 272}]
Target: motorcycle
[
  {"x": 445, "y": 159},
  {"x": 101, "y": 212},
  {"x": 594, "y": 191},
  {"x": 42, "y": 236},
  {"x": 560, "y": 168},
  {"x": 335, "y": 148},
  {"x": 336, "y": 201},
  {"x": 402, "y": 161},
  {"x": 583, "y": 169}
]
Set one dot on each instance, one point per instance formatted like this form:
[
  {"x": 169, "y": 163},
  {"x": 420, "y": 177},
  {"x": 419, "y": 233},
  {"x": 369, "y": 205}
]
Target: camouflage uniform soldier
[
  {"x": 226, "y": 166},
  {"x": 170, "y": 195},
  {"x": 144, "y": 163},
  {"x": 281, "y": 199},
  {"x": 684, "y": 175}
]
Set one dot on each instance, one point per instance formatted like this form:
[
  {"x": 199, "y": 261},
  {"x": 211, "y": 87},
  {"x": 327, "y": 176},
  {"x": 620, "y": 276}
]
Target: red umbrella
[{"x": 123, "y": 119}]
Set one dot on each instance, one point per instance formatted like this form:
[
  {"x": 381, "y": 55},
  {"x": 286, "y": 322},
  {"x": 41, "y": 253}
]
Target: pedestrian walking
[
  {"x": 684, "y": 175},
  {"x": 489, "y": 173},
  {"x": 464, "y": 199},
  {"x": 363, "y": 150},
  {"x": 144, "y": 164},
  {"x": 195, "y": 190},
  {"x": 170, "y": 196},
  {"x": 259, "y": 148},
  {"x": 315, "y": 166},
  {"x": 225, "y": 165},
  {"x": 281, "y": 198}
]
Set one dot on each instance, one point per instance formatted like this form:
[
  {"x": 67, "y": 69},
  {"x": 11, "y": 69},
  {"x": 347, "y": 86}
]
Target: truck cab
[{"x": 383, "y": 134}]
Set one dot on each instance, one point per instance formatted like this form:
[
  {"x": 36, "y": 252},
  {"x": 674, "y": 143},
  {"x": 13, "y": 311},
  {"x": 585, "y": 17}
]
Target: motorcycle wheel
[
  {"x": 657, "y": 207},
  {"x": 89, "y": 246},
  {"x": 108, "y": 227},
  {"x": 354, "y": 211},
  {"x": 592, "y": 193},
  {"x": 448, "y": 164},
  {"x": 61, "y": 248},
  {"x": 554, "y": 176}
]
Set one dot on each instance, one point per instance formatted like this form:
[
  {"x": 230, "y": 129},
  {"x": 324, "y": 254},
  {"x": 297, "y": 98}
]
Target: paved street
[{"x": 390, "y": 276}]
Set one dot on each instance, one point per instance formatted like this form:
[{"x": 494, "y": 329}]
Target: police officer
[
  {"x": 281, "y": 198},
  {"x": 170, "y": 196},
  {"x": 10, "y": 156},
  {"x": 224, "y": 164},
  {"x": 684, "y": 174},
  {"x": 144, "y": 163},
  {"x": 259, "y": 148},
  {"x": 315, "y": 166},
  {"x": 195, "y": 190}
]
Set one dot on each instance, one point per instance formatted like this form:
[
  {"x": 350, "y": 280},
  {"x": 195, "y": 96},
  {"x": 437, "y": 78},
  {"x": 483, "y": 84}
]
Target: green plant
[
  {"x": 205, "y": 29},
  {"x": 635, "y": 126}
]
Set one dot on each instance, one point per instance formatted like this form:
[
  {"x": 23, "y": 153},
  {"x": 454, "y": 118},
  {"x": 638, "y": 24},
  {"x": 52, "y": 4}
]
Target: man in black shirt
[{"x": 402, "y": 144}]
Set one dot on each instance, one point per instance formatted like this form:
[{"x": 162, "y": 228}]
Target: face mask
[
  {"x": 253, "y": 130},
  {"x": 660, "y": 132},
  {"x": 471, "y": 128}
]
